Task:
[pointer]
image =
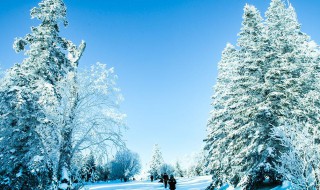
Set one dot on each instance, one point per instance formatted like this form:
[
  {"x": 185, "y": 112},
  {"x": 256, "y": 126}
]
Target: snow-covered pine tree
[
  {"x": 287, "y": 82},
  {"x": 156, "y": 162},
  {"x": 243, "y": 83},
  {"x": 296, "y": 94},
  {"x": 285, "y": 86},
  {"x": 30, "y": 100},
  {"x": 24, "y": 160},
  {"x": 248, "y": 130},
  {"x": 221, "y": 117},
  {"x": 274, "y": 84}
]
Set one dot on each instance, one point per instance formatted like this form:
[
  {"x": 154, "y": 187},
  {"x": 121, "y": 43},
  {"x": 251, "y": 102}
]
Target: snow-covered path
[{"x": 195, "y": 183}]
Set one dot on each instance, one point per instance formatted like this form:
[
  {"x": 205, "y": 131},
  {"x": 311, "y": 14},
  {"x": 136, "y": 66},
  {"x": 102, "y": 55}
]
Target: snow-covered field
[{"x": 195, "y": 183}]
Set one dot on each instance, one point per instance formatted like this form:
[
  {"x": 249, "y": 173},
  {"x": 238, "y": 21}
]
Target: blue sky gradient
[{"x": 165, "y": 53}]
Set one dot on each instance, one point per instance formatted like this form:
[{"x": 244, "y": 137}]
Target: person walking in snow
[
  {"x": 151, "y": 177},
  {"x": 165, "y": 179},
  {"x": 172, "y": 183}
]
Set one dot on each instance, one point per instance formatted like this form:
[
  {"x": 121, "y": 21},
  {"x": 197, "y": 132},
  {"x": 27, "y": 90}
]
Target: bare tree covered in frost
[
  {"x": 300, "y": 161},
  {"x": 30, "y": 102},
  {"x": 271, "y": 80},
  {"x": 90, "y": 104},
  {"x": 98, "y": 123}
]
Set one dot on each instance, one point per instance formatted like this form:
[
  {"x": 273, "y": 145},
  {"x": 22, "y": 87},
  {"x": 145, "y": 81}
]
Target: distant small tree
[
  {"x": 156, "y": 162},
  {"x": 166, "y": 168},
  {"x": 197, "y": 166},
  {"x": 126, "y": 164},
  {"x": 103, "y": 173},
  {"x": 77, "y": 169},
  {"x": 178, "y": 171},
  {"x": 90, "y": 168}
]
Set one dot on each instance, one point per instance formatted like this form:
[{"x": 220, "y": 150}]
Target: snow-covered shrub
[
  {"x": 166, "y": 168},
  {"x": 299, "y": 163},
  {"x": 125, "y": 164}
]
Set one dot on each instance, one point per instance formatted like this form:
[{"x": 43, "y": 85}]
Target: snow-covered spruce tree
[
  {"x": 24, "y": 160},
  {"x": 289, "y": 80},
  {"x": 30, "y": 102},
  {"x": 221, "y": 117},
  {"x": 236, "y": 127},
  {"x": 2, "y": 72},
  {"x": 274, "y": 84},
  {"x": 298, "y": 121},
  {"x": 156, "y": 162},
  {"x": 249, "y": 158},
  {"x": 285, "y": 84}
]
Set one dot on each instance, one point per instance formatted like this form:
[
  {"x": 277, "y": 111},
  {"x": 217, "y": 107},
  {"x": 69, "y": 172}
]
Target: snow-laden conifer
[
  {"x": 221, "y": 116},
  {"x": 243, "y": 84},
  {"x": 156, "y": 162},
  {"x": 30, "y": 101},
  {"x": 249, "y": 159},
  {"x": 273, "y": 84}
]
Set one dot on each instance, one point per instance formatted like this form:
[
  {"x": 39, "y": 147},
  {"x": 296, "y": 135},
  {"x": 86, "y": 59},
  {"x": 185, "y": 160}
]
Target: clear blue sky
[{"x": 165, "y": 53}]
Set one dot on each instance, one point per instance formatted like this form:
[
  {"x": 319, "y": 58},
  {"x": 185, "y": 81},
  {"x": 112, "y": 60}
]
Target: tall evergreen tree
[
  {"x": 273, "y": 84},
  {"x": 248, "y": 158},
  {"x": 244, "y": 83},
  {"x": 293, "y": 101},
  {"x": 30, "y": 100},
  {"x": 221, "y": 117}
]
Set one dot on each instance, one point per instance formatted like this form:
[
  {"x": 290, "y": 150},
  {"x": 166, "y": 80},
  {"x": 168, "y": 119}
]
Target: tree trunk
[
  {"x": 66, "y": 154},
  {"x": 64, "y": 165}
]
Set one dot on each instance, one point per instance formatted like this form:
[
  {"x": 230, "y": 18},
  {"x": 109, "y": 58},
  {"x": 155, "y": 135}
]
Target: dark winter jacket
[
  {"x": 172, "y": 183},
  {"x": 165, "y": 177}
]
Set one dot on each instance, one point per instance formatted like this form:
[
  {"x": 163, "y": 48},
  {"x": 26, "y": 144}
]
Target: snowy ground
[{"x": 195, "y": 183}]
